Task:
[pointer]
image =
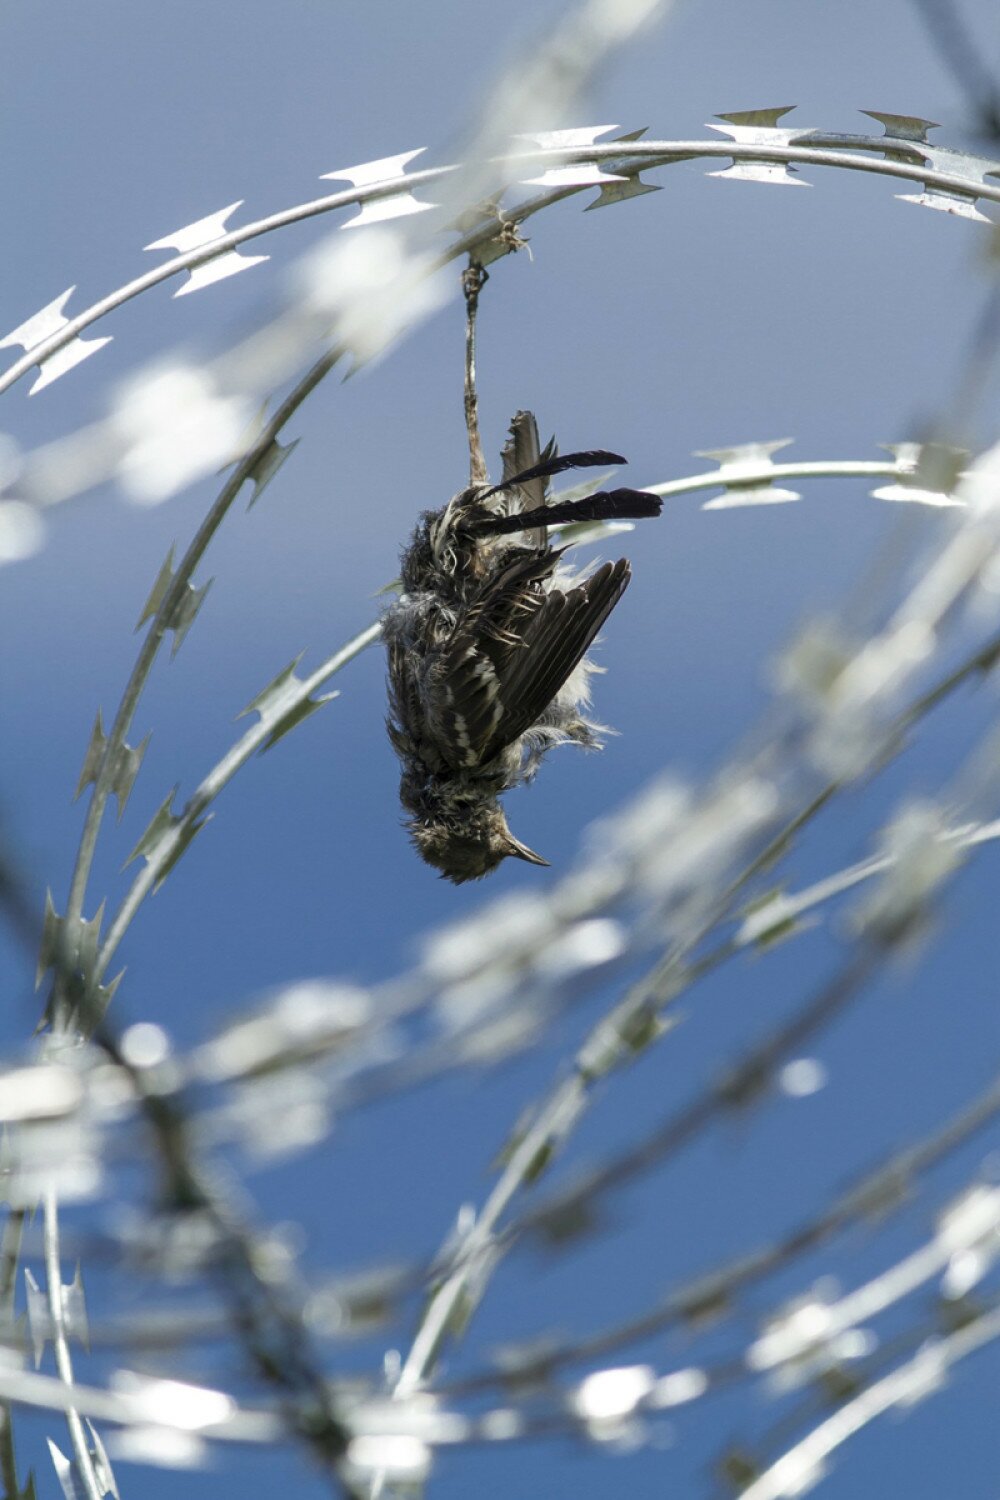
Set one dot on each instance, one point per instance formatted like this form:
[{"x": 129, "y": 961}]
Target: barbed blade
[
  {"x": 201, "y": 233},
  {"x": 743, "y": 470},
  {"x": 284, "y": 703},
  {"x": 758, "y": 127},
  {"x": 124, "y": 772},
  {"x": 184, "y": 612},
  {"x": 40, "y": 326},
  {"x": 385, "y": 169},
  {"x": 165, "y": 825}
]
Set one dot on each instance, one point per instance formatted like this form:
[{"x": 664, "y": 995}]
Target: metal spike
[
  {"x": 126, "y": 768},
  {"x": 50, "y": 937},
  {"x": 126, "y": 765},
  {"x": 161, "y": 823},
  {"x": 42, "y": 325},
  {"x": 961, "y": 164},
  {"x": 394, "y": 207},
  {"x": 183, "y": 617},
  {"x": 102, "y": 1464},
  {"x": 904, "y": 453},
  {"x": 745, "y": 453},
  {"x": 267, "y": 466},
  {"x": 218, "y": 268},
  {"x": 73, "y": 946},
  {"x": 64, "y": 359},
  {"x": 383, "y": 169},
  {"x": 157, "y": 592},
  {"x": 74, "y": 1313},
  {"x": 74, "y": 1305},
  {"x": 779, "y": 173},
  {"x": 67, "y": 1473},
  {"x": 976, "y": 169},
  {"x": 48, "y": 320},
  {"x": 937, "y": 465},
  {"x": 163, "y": 826},
  {"x": 282, "y": 704},
  {"x": 581, "y": 174},
  {"x": 183, "y": 614},
  {"x": 295, "y": 716},
  {"x": 753, "y": 124},
  {"x": 962, "y": 205},
  {"x": 98, "y": 1000},
  {"x": 916, "y": 490},
  {"x": 743, "y": 472},
  {"x": 87, "y": 938},
  {"x": 94, "y": 756},
  {"x": 759, "y": 127},
  {"x": 902, "y": 127},
  {"x": 278, "y": 690},
  {"x": 617, "y": 192},
  {"x": 749, "y": 493},
  {"x": 267, "y": 463},
  {"x": 371, "y": 173},
  {"x": 200, "y": 233},
  {"x": 569, "y": 140},
  {"x": 39, "y": 1323}
]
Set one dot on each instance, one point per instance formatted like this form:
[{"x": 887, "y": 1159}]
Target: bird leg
[{"x": 474, "y": 279}]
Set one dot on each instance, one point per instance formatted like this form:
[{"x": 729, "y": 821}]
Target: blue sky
[{"x": 708, "y": 314}]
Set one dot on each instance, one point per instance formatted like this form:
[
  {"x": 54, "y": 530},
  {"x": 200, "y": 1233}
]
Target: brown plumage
[{"x": 487, "y": 650}]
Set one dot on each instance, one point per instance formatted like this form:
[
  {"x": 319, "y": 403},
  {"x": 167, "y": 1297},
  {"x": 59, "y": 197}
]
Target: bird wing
[
  {"x": 527, "y": 468},
  {"x": 404, "y": 702},
  {"x": 555, "y": 640},
  {"x": 511, "y": 654},
  {"x": 522, "y": 453}
]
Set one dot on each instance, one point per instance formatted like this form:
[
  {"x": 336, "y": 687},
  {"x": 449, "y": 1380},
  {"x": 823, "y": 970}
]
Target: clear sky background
[{"x": 707, "y": 314}]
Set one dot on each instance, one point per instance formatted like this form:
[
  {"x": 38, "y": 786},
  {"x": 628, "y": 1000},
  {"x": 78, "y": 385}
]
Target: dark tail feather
[
  {"x": 592, "y": 459},
  {"x": 606, "y": 505}
]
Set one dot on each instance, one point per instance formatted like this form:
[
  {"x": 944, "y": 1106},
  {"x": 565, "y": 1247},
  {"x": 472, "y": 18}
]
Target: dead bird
[{"x": 487, "y": 649}]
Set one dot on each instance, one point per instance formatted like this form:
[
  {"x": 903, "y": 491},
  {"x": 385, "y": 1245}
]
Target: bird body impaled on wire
[{"x": 487, "y": 650}]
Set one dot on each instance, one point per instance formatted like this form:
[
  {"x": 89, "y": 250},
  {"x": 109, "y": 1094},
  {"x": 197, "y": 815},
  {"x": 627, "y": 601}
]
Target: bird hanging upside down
[{"x": 487, "y": 650}]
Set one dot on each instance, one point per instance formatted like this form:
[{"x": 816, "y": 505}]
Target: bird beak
[{"x": 521, "y": 851}]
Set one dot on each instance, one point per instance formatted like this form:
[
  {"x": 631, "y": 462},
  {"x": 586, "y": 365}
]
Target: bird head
[{"x": 470, "y": 842}]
